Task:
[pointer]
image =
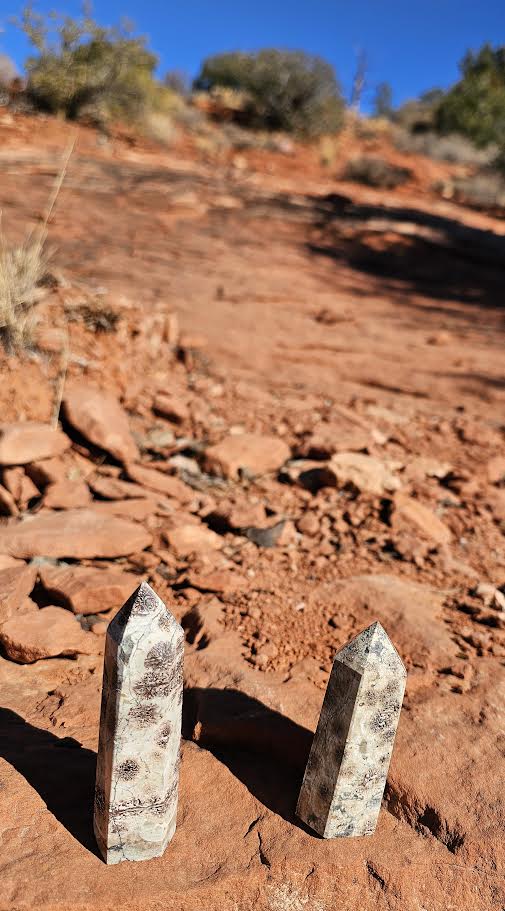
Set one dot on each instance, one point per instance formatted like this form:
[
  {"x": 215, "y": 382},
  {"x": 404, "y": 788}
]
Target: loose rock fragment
[
  {"x": 27, "y": 442},
  {"x": 99, "y": 417},
  {"x": 48, "y": 471},
  {"x": 86, "y": 590},
  {"x": 329, "y": 438},
  {"x": 423, "y": 519},
  {"x": 365, "y": 472},
  {"x": 22, "y": 488},
  {"x": 160, "y": 482},
  {"x": 116, "y": 489},
  {"x": 16, "y": 583},
  {"x": 496, "y": 470},
  {"x": 140, "y": 726},
  {"x": 349, "y": 759},
  {"x": 67, "y": 495},
  {"x": 490, "y": 595},
  {"x": 171, "y": 407},
  {"x": 45, "y": 633},
  {"x": 308, "y": 524},
  {"x": 75, "y": 533},
  {"x": 246, "y": 452},
  {"x": 220, "y": 581},
  {"x": 265, "y": 537},
  {"x": 186, "y": 539}
]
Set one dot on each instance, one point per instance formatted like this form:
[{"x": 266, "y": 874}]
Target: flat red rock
[
  {"x": 67, "y": 495},
  {"x": 160, "y": 482},
  {"x": 22, "y": 488},
  {"x": 364, "y": 472},
  {"x": 171, "y": 408},
  {"x": 422, "y": 518},
  {"x": 220, "y": 581},
  {"x": 246, "y": 452},
  {"x": 29, "y": 441},
  {"x": 86, "y": 590},
  {"x": 76, "y": 533},
  {"x": 44, "y": 633},
  {"x": 99, "y": 417},
  {"x": 187, "y": 539},
  {"x": 116, "y": 489},
  {"x": 16, "y": 583}
]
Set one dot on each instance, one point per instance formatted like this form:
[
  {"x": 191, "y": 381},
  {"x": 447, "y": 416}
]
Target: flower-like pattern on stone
[
  {"x": 138, "y": 756},
  {"x": 348, "y": 763}
]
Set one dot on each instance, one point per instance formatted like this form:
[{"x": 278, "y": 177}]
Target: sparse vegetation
[
  {"x": 454, "y": 147},
  {"x": 21, "y": 272},
  {"x": 376, "y": 172},
  {"x": 419, "y": 115},
  {"x": 278, "y": 90},
  {"x": 475, "y": 106},
  {"x": 484, "y": 190},
  {"x": 82, "y": 69}
]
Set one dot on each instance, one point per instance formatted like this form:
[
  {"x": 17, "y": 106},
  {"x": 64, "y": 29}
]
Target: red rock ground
[{"x": 308, "y": 312}]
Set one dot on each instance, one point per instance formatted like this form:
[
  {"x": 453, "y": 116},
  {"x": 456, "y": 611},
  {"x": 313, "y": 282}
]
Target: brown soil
[{"x": 296, "y": 313}]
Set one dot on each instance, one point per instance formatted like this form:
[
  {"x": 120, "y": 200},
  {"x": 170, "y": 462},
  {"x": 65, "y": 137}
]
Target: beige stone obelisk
[
  {"x": 137, "y": 770},
  {"x": 348, "y": 763}
]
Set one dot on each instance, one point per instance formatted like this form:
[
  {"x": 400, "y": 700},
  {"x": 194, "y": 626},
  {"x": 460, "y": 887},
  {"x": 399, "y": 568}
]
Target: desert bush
[
  {"x": 280, "y": 90},
  {"x": 22, "y": 270},
  {"x": 419, "y": 115},
  {"x": 80, "y": 68},
  {"x": 178, "y": 81},
  {"x": 485, "y": 190},
  {"x": 453, "y": 147},
  {"x": 475, "y": 106},
  {"x": 376, "y": 172}
]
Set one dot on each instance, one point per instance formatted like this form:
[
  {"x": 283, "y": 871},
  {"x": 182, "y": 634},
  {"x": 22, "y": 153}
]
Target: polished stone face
[
  {"x": 140, "y": 730},
  {"x": 348, "y": 763}
]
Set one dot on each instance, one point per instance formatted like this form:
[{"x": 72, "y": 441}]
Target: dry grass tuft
[
  {"x": 21, "y": 272},
  {"x": 376, "y": 172}
]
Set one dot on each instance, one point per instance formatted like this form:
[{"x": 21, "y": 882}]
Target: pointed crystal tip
[
  {"x": 142, "y": 603},
  {"x": 371, "y": 645}
]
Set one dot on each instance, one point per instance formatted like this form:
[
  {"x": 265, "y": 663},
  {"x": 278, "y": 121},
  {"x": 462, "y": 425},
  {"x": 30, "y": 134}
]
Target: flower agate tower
[
  {"x": 137, "y": 772},
  {"x": 348, "y": 763}
]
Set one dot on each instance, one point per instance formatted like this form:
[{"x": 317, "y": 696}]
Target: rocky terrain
[{"x": 278, "y": 397}]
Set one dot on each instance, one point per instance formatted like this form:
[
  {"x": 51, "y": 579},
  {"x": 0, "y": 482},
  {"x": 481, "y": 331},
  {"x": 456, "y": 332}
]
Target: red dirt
[{"x": 310, "y": 319}]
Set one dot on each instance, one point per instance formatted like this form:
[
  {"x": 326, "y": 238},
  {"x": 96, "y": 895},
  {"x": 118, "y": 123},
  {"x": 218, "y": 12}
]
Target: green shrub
[
  {"x": 283, "y": 90},
  {"x": 419, "y": 115},
  {"x": 376, "y": 172},
  {"x": 81, "y": 68},
  {"x": 475, "y": 106}
]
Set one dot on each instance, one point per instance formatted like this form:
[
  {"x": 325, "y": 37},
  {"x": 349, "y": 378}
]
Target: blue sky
[{"x": 413, "y": 44}]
